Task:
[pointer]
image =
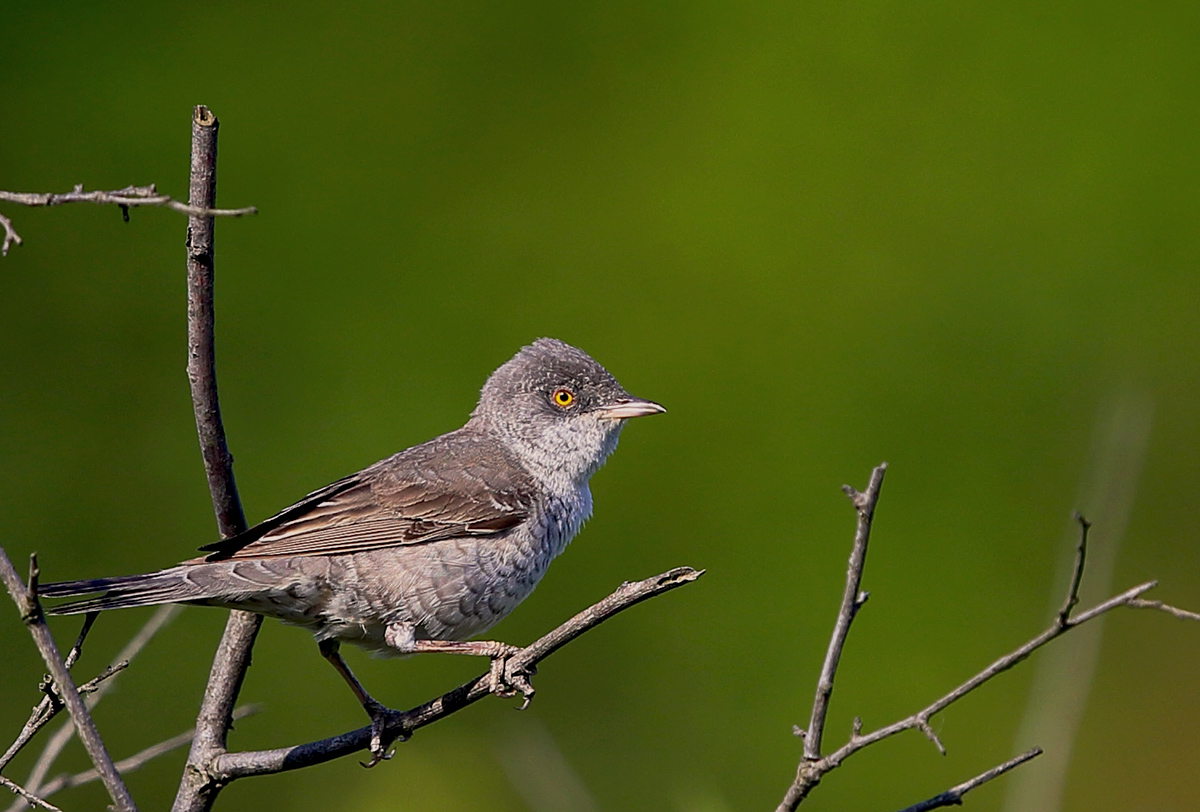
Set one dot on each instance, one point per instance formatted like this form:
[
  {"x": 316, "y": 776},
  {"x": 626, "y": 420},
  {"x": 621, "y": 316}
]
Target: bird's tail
[{"x": 167, "y": 586}]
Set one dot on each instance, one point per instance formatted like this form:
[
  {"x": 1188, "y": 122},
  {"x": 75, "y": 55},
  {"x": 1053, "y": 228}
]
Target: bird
[{"x": 425, "y": 549}]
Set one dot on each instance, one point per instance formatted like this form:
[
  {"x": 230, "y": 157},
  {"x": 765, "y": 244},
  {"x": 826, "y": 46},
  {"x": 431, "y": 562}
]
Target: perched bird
[{"x": 428, "y": 547}]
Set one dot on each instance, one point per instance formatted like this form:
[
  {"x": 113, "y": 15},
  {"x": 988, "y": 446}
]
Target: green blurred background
[{"x": 959, "y": 237}]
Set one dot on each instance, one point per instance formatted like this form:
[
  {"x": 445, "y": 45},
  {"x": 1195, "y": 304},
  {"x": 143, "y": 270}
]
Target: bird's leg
[
  {"x": 378, "y": 712},
  {"x": 330, "y": 650},
  {"x": 506, "y": 680}
]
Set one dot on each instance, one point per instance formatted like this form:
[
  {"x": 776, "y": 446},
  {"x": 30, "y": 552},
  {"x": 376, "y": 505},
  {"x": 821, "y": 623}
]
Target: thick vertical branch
[
  {"x": 202, "y": 369},
  {"x": 196, "y": 790}
]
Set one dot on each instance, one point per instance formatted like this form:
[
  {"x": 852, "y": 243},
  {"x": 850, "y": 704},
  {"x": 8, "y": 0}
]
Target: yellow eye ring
[{"x": 563, "y": 398}]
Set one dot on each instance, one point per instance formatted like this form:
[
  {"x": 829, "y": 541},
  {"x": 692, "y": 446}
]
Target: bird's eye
[{"x": 563, "y": 398}]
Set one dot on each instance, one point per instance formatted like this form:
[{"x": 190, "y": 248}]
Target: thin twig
[
  {"x": 1182, "y": 614},
  {"x": 130, "y": 196},
  {"x": 93, "y": 685},
  {"x": 11, "y": 237},
  {"x": 920, "y": 719},
  {"x": 954, "y": 795},
  {"x": 197, "y": 793},
  {"x": 1077, "y": 571},
  {"x": 1058, "y": 695},
  {"x": 127, "y": 198},
  {"x": 137, "y": 760},
  {"x": 89, "y": 620},
  {"x": 812, "y": 769},
  {"x": 35, "y": 620},
  {"x": 50, "y": 705},
  {"x": 402, "y": 724},
  {"x": 811, "y": 772},
  {"x": 60, "y": 738},
  {"x": 21, "y": 792},
  {"x": 852, "y": 600}
]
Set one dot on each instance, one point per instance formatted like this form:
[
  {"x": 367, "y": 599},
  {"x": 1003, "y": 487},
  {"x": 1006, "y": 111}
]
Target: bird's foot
[
  {"x": 505, "y": 678},
  {"x": 381, "y": 740},
  {"x": 509, "y": 678}
]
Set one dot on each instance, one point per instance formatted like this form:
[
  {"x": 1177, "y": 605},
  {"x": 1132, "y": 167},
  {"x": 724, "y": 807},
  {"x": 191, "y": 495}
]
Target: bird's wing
[{"x": 444, "y": 489}]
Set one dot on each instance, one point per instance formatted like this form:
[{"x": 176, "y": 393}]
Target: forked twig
[
  {"x": 1076, "y": 571},
  {"x": 137, "y": 760},
  {"x": 51, "y": 704},
  {"x": 852, "y": 601},
  {"x": 25, "y": 597},
  {"x": 196, "y": 792},
  {"x": 1182, "y": 614},
  {"x": 59, "y": 739},
  {"x": 230, "y": 766},
  {"x": 127, "y": 198},
  {"x": 21, "y": 792},
  {"x": 813, "y": 766}
]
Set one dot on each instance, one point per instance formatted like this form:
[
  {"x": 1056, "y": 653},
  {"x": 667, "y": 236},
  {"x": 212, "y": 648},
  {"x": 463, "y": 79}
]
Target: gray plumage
[{"x": 438, "y": 542}]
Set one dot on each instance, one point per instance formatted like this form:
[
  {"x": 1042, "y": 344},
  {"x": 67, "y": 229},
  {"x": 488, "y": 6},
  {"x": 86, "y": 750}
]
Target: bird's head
[{"x": 558, "y": 410}]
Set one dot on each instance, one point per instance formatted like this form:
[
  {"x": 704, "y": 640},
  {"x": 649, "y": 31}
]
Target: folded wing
[{"x": 451, "y": 487}]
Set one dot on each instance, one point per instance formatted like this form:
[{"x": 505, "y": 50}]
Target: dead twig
[
  {"x": 1182, "y": 614},
  {"x": 954, "y": 795},
  {"x": 25, "y": 597},
  {"x": 126, "y": 199},
  {"x": 1076, "y": 571},
  {"x": 852, "y": 601},
  {"x": 230, "y": 766},
  {"x": 21, "y": 792},
  {"x": 197, "y": 793},
  {"x": 59, "y": 739},
  {"x": 51, "y": 704},
  {"x": 137, "y": 760},
  {"x": 813, "y": 766}
]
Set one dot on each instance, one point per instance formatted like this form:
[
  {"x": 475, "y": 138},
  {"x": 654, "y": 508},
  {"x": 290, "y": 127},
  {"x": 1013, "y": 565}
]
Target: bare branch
[
  {"x": 89, "y": 620},
  {"x": 54, "y": 746},
  {"x": 1077, "y": 571},
  {"x": 1182, "y": 614},
  {"x": 31, "y": 614},
  {"x": 852, "y": 601},
  {"x": 21, "y": 792},
  {"x": 231, "y": 766},
  {"x": 137, "y": 760},
  {"x": 129, "y": 197},
  {"x": 50, "y": 705},
  {"x": 126, "y": 199},
  {"x": 920, "y": 720},
  {"x": 11, "y": 237},
  {"x": 229, "y": 666},
  {"x": 813, "y": 766},
  {"x": 202, "y": 368},
  {"x": 954, "y": 795}
]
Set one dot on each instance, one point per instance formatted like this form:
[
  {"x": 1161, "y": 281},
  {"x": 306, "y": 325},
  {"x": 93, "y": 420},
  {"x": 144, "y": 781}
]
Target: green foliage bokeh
[{"x": 953, "y": 236}]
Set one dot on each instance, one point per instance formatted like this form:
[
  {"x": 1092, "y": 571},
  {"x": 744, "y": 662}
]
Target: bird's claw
[
  {"x": 509, "y": 679},
  {"x": 381, "y": 744}
]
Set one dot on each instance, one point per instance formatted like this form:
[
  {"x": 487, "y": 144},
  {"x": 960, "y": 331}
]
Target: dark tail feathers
[{"x": 167, "y": 586}]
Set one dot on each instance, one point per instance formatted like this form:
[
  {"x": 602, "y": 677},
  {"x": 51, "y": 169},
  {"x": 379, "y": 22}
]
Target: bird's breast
[
  {"x": 455, "y": 588},
  {"x": 563, "y": 516}
]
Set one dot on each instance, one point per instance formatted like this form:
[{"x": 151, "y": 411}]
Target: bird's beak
[{"x": 630, "y": 407}]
